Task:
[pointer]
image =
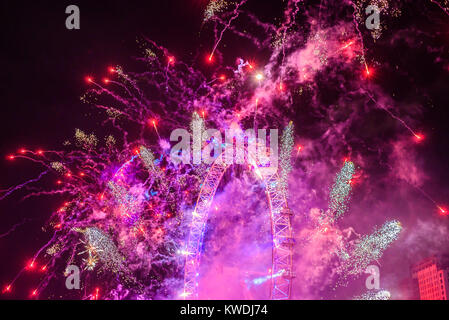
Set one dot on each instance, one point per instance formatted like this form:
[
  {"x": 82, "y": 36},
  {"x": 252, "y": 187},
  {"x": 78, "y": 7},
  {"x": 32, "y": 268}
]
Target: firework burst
[{"x": 129, "y": 205}]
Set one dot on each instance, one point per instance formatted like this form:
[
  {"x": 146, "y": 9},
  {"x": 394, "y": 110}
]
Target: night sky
[
  {"x": 44, "y": 65},
  {"x": 44, "y": 69}
]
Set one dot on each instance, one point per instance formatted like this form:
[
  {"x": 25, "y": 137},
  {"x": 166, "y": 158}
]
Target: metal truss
[
  {"x": 281, "y": 230},
  {"x": 280, "y": 215},
  {"x": 197, "y": 227}
]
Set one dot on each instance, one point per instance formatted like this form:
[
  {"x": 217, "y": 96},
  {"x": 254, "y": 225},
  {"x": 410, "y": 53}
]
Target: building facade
[{"x": 432, "y": 278}]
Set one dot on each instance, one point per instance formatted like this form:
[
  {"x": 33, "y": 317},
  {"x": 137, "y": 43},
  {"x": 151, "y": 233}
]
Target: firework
[
  {"x": 87, "y": 141},
  {"x": 285, "y": 162},
  {"x": 148, "y": 159},
  {"x": 134, "y": 209},
  {"x": 370, "y": 248},
  {"x": 374, "y": 295},
  {"x": 341, "y": 191},
  {"x": 100, "y": 247},
  {"x": 213, "y": 8},
  {"x": 197, "y": 124}
]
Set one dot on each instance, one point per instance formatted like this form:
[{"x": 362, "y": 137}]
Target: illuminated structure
[
  {"x": 281, "y": 230},
  {"x": 432, "y": 277}
]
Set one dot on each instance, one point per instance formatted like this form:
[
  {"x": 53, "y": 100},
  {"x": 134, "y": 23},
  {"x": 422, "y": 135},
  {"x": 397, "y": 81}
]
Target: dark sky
[{"x": 43, "y": 66}]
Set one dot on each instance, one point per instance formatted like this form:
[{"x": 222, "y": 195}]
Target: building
[{"x": 432, "y": 278}]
